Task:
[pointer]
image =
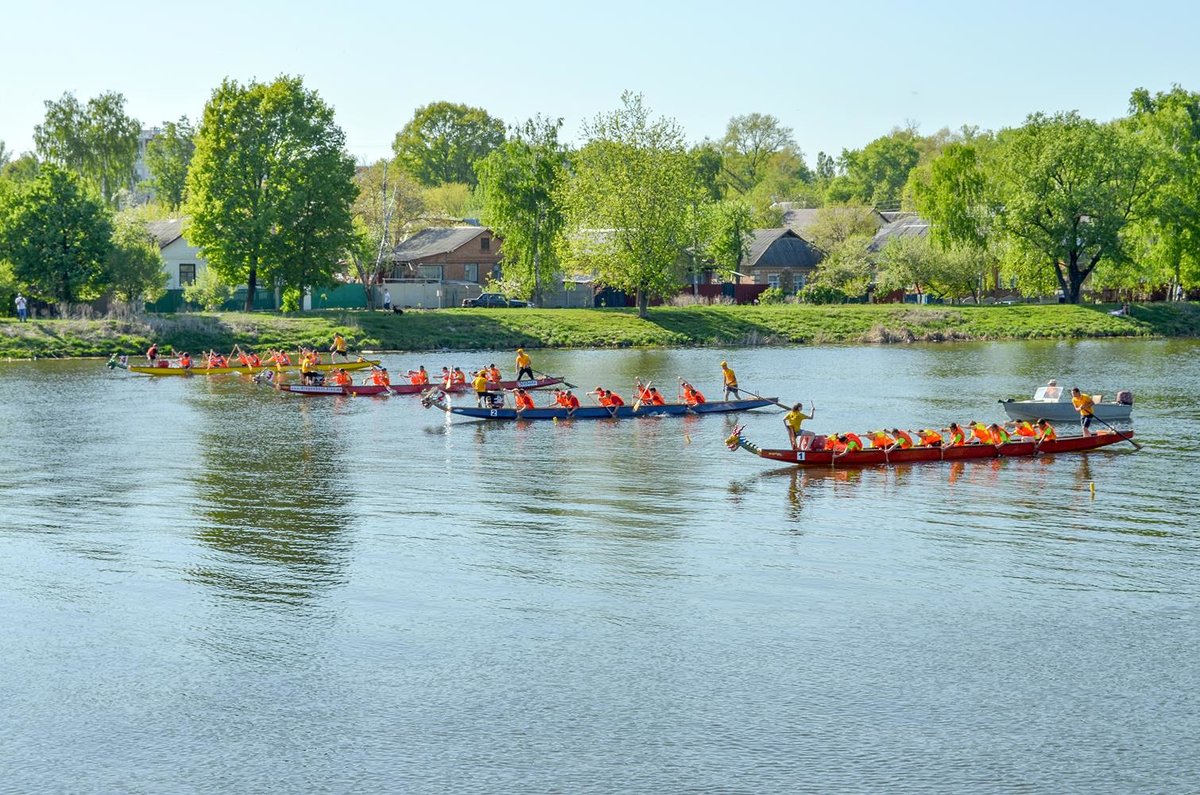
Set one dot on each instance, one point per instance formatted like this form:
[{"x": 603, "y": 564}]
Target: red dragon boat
[
  {"x": 817, "y": 456},
  {"x": 493, "y": 386}
]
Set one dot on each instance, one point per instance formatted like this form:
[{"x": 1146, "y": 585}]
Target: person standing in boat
[
  {"x": 524, "y": 365},
  {"x": 338, "y": 348},
  {"x": 152, "y": 353},
  {"x": 1086, "y": 407},
  {"x": 800, "y": 439},
  {"x": 730, "y": 379},
  {"x": 483, "y": 398}
]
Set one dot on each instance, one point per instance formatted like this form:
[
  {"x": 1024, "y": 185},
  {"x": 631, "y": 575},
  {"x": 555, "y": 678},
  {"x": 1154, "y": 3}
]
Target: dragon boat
[
  {"x": 493, "y": 386},
  {"x": 436, "y": 398},
  {"x": 168, "y": 369},
  {"x": 326, "y": 390},
  {"x": 817, "y": 456}
]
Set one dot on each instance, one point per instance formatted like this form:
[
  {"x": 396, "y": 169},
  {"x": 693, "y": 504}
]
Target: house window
[
  {"x": 471, "y": 272},
  {"x": 429, "y": 272},
  {"x": 485, "y": 244},
  {"x": 187, "y": 273},
  {"x": 773, "y": 281},
  {"x": 800, "y": 279}
]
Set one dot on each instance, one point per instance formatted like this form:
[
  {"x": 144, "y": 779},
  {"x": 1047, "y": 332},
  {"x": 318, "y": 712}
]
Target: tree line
[{"x": 273, "y": 198}]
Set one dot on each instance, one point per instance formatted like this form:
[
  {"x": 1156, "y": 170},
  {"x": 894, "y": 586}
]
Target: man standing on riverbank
[{"x": 22, "y": 308}]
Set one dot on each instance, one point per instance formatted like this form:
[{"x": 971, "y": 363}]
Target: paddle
[
  {"x": 769, "y": 400},
  {"x": 566, "y": 383},
  {"x": 1118, "y": 433},
  {"x": 637, "y": 404}
]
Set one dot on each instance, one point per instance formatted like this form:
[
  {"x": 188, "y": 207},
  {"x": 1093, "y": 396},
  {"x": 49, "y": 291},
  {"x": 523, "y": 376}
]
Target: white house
[{"x": 181, "y": 260}]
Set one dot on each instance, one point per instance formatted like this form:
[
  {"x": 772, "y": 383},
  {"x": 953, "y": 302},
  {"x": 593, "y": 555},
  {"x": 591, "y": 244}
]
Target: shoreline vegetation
[{"x": 697, "y": 326}]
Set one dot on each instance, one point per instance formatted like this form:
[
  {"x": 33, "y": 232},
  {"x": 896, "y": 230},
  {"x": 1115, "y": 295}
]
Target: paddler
[
  {"x": 929, "y": 437},
  {"x": 656, "y": 398},
  {"x": 730, "y": 381},
  {"x": 341, "y": 377},
  {"x": 641, "y": 390},
  {"x": 799, "y": 439},
  {"x": 1023, "y": 429},
  {"x": 1046, "y": 432},
  {"x": 524, "y": 365},
  {"x": 880, "y": 439},
  {"x": 185, "y": 360},
  {"x": 691, "y": 395},
  {"x": 998, "y": 434},
  {"x": 447, "y": 378},
  {"x": 903, "y": 440},
  {"x": 493, "y": 373},
  {"x": 418, "y": 376},
  {"x": 1086, "y": 406},
  {"x": 570, "y": 401},
  {"x": 980, "y": 433},
  {"x": 523, "y": 400},
  {"x": 458, "y": 377},
  {"x": 848, "y": 443},
  {"x": 957, "y": 436}
]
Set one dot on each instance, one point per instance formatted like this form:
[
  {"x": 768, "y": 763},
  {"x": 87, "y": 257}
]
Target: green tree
[
  {"x": 1167, "y": 237},
  {"x": 169, "y": 155},
  {"x": 955, "y": 195},
  {"x": 443, "y": 141},
  {"x": 730, "y": 231},
  {"x": 751, "y": 142},
  {"x": 208, "y": 291},
  {"x": 134, "y": 266},
  {"x": 835, "y": 225},
  {"x": 21, "y": 170},
  {"x": 5, "y": 155},
  {"x": 847, "y": 268},
  {"x": 450, "y": 203},
  {"x": 57, "y": 237},
  {"x": 270, "y": 186},
  {"x": 1070, "y": 188},
  {"x": 877, "y": 173},
  {"x": 520, "y": 185},
  {"x": 629, "y": 200},
  {"x": 99, "y": 142},
  {"x": 388, "y": 204}
]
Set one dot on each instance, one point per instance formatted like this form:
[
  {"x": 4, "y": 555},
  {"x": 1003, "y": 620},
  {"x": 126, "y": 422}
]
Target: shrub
[
  {"x": 772, "y": 295},
  {"x": 822, "y": 294},
  {"x": 208, "y": 290}
]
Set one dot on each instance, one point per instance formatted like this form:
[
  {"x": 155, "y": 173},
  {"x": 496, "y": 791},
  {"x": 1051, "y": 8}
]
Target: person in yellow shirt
[
  {"x": 338, "y": 348},
  {"x": 731, "y": 387},
  {"x": 483, "y": 398},
  {"x": 1086, "y": 407},
  {"x": 798, "y": 438},
  {"x": 524, "y": 365}
]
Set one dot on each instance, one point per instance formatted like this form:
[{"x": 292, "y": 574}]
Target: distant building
[
  {"x": 779, "y": 258},
  {"x": 448, "y": 254},
  {"x": 802, "y": 220},
  {"x": 899, "y": 224},
  {"x": 181, "y": 260}
]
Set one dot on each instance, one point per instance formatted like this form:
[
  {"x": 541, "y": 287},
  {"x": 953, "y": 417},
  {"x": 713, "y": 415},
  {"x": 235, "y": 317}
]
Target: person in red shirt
[{"x": 523, "y": 400}]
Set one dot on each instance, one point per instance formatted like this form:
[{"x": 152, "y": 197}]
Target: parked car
[{"x": 493, "y": 301}]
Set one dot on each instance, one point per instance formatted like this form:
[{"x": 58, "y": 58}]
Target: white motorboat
[{"x": 1053, "y": 403}]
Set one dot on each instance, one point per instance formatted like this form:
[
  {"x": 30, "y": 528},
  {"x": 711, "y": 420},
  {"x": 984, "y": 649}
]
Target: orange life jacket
[
  {"x": 903, "y": 440},
  {"x": 853, "y": 442},
  {"x": 377, "y": 378},
  {"x": 692, "y": 396},
  {"x": 615, "y": 400},
  {"x": 981, "y": 433},
  {"x": 957, "y": 438},
  {"x": 1000, "y": 436},
  {"x": 493, "y": 374},
  {"x": 458, "y": 377},
  {"x": 1048, "y": 434},
  {"x": 1026, "y": 430},
  {"x": 880, "y": 439},
  {"x": 524, "y": 401},
  {"x": 930, "y": 438},
  {"x": 656, "y": 399}
]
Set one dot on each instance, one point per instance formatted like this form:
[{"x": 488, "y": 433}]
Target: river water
[{"x": 208, "y": 586}]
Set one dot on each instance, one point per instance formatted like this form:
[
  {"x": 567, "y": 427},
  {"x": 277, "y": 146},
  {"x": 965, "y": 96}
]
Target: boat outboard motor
[{"x": 1125, "y": 397}]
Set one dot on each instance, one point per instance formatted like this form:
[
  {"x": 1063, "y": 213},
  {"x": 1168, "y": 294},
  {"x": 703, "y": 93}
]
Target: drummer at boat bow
[
  {"x": 1086, "y": 406},
  {"x": 799, "y": 439},
  {"x": 524, "y": 365}
]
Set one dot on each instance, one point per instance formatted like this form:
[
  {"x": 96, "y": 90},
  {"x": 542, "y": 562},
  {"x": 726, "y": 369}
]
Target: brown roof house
[
  {"x": 440, "y": 266},
  {"x": 779, "y": 258}
]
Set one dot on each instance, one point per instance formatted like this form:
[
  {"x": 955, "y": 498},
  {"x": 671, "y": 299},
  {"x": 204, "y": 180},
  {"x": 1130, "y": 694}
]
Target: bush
[
  {"x": 772, "y": 295},
  {"x": 822, "y": 294},
  {"x": 208, "y": 291}
]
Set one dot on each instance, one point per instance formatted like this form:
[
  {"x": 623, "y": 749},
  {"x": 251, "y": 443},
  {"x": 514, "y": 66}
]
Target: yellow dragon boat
[{"x": 174, "y": 369}]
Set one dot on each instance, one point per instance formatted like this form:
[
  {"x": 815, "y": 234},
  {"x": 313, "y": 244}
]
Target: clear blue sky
[{"x": 838, "y": 73}]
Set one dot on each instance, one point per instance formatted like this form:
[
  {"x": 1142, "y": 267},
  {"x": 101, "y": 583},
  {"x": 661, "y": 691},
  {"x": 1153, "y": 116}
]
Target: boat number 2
[{"x": 493, "y": 412}]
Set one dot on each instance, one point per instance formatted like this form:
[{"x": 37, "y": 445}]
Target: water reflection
[{"x": 271, "y": 499}]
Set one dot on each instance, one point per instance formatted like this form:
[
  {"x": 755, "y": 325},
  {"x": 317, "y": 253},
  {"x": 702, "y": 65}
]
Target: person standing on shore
[
  {"x": 22, "y": 308},
  {"x": 387, "y": 300}
]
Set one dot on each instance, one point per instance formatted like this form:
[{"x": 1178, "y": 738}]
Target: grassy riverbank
[{"x": 579, "y": 328}]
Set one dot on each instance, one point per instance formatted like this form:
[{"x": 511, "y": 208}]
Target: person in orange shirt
[
  {"x": 849, "y": 443},
  {"x": 447, "y": 378},
  {"x": 999, "y": 435},
  {"x": 641, "y": 390},
  {"x": 656, "y": 398},
  {"x": 1046, "y": 432},
  {"x": 903, "y": 440},
  {"x": 418, "y": 376},
  {"x": 493, "y": 373},
  {"x": 523, "y": 400},
  {"x": 570, "y": 401},
  {"x": 341, "y": 377},
  {"x": 458, "y": 377},
  {"x": 691, "y": 395},
  {"x": 929, "y": 437},
  {"x": 614, "y": 400},
  {"x": 185, "y": 360},
  {"x": 1086, "y": 406}
]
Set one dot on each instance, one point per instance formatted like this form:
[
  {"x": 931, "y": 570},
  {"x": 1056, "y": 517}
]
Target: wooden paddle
[
  {"x": 1136, "y": 446},
  {"x": 566, "y": 383},
  {"x": 769, "y": 400}
]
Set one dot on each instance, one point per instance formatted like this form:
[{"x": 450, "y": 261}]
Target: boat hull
[
  {"x": 330, "y": 390},
  {"x": 1060, "y": 412},
  {"x": 181, "y": 371},
  {"x": 603, "y": 413},
  {"x": 872, "y": 457},
  {"x": 493, "y": 386}
]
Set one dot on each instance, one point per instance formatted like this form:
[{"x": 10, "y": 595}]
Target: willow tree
[
  {"x": 629, "y": 201},
  {"x": 270, "y": 186},
  {"x": 169, "y": 155},
  {"x": 520, "y": 184},
  {"x": 97, "y": 141}
]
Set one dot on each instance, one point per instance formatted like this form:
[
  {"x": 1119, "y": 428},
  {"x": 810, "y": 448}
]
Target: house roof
[
  {"x": 436, "y": 240},
  {"x": 780, "y": 248},
  {"x": 166, "y": 232},
  {"x": 803, "y": 219},
  {"x": 902, "y": 225}
]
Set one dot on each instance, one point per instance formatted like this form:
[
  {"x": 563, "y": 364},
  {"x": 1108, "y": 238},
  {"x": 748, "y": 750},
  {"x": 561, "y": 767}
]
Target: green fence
[
  {"x": 172, "y": 301},
  {"x": 344, "y": 296}
]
